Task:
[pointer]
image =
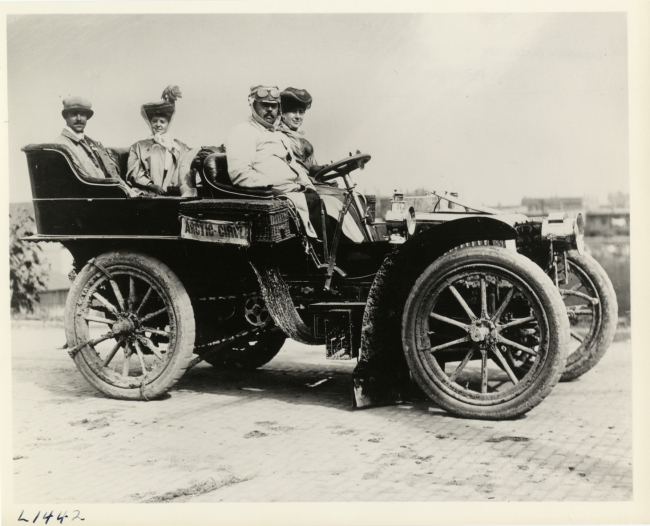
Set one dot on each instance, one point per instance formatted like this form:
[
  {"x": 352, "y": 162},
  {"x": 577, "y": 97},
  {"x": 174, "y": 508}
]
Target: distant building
[
  {"x": 608, "y": 222},
  {"x": 599, "y": 221},
  {"x": 53, "y": 298},
  {"x": 543, "y": 206}
]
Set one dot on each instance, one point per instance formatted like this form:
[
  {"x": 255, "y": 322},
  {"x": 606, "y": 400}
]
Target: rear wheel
[
  {"x": 472, "y": 319},
  {"x": 132, "y": 322},
  {"x": 593, "y": 313},
  {"x": 249, "y": 354}
]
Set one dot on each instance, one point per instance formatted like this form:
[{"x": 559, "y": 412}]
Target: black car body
[{"x": 225, "y": 277}]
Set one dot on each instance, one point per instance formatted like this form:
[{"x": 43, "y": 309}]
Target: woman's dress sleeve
[{"x": 135, "y": 173}]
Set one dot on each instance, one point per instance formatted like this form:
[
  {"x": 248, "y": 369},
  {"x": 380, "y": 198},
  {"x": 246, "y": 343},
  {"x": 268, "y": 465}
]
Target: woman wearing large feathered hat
[{"x": 160, "y": 164}]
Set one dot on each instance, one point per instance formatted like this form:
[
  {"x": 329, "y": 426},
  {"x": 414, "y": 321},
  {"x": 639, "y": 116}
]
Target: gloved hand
[
  {"x": 314, "y": 169},
  {"x": 156, "y": 189}
]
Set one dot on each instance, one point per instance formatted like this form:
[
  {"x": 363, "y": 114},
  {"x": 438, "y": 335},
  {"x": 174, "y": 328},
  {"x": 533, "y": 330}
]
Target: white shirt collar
[{"x": 79, "y": 136}]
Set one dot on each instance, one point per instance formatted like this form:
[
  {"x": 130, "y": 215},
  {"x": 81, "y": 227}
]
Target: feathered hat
[{"x": 166, "y": 107}]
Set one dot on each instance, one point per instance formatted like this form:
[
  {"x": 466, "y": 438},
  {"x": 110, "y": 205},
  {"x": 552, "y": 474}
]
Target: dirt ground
[{"x": 287, "y": 433}]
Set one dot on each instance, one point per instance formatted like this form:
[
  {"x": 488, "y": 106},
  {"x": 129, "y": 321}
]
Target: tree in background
[{"x": 27, "y": 271}]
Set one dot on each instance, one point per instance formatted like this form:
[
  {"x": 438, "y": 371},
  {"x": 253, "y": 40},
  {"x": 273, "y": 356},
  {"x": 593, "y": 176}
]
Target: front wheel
[
  {"x": 593, "y": 313},
  {"x": 129, "y": 325},
  {"x": 473, "y": 321}
]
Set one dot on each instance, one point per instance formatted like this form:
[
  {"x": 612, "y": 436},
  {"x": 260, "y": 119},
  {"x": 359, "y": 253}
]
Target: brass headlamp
[
  {"x": 400, "y": 220},
  {"x": 564, "y": 232}
]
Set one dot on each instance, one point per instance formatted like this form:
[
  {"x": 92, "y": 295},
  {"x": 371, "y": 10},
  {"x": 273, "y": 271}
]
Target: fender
[
  {"x": 419, "y": 251},
  {"x": 382, "y": 375},
  {"x": 280, "y": 305},
  {"x": 464, "y": 230}
]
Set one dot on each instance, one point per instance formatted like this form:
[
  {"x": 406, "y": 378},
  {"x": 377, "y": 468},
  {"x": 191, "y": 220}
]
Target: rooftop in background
[
  {"x": 545, "y": 205},
  {"x": 600, "y": 220},
  {"x": 606, "y": 211}
]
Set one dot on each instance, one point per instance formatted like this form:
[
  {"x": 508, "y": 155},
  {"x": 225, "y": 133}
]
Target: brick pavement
[{"x": 214, "y": 440}]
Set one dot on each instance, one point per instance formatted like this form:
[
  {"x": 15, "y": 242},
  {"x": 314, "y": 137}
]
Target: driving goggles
[{"x": 261, "y": 94}]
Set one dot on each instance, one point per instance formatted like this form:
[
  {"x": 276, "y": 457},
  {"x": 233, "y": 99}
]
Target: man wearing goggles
[
  {"x": 261, "y": 93},
  {"x": 260, "y": 156}
]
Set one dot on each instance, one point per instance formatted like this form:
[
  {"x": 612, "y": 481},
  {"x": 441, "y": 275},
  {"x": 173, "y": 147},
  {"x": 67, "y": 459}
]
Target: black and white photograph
[{"x": 358, "y": 259}]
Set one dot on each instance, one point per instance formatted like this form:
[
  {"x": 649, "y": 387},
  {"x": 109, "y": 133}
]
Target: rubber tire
[
  {"x": 247, "y": 357},
  {"x": 590, "y": 352},
  {"x": 182, "y": 307},
  {"x": 550, "y": 300}
]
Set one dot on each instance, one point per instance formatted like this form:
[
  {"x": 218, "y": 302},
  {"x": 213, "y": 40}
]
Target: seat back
[
  {"x": 121, "y": 158},
  {"x": 55, "y": 173},
  {"x": 214, "y": 177},
  {"x": 215, "y": 168}
]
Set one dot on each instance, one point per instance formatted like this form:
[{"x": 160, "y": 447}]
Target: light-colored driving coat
[
  {"x": 258, "y": 156},
  {"x": 261, "y": 156}
]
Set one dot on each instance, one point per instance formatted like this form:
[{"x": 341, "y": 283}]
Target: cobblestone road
[{"x": 273, "y": 435}]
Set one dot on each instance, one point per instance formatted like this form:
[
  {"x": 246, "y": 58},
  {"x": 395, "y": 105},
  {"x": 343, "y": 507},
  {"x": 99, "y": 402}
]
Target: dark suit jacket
[{"x": 99, "y": 164}]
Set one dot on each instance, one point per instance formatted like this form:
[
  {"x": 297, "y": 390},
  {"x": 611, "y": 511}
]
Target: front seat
[{"x": 215, "y": 178}]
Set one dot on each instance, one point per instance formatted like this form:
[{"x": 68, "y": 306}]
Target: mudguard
[
  {"x": 382, "y": 375},
  {"x": 279, "y": 303}
]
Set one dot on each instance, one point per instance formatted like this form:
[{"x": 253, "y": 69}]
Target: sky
[{"x": 494, "y": 106}]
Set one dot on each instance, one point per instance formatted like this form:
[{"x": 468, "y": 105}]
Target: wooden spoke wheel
[
  {"x": 249, "y": 354},
  {"x": 470, "y": 322},
  {"x": 137, "y": 320},
  {"x": 593, "y": 313}
]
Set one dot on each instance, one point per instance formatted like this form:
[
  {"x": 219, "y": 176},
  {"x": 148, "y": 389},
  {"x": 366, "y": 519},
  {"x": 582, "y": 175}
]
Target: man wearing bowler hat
[{"x": 92, "y": 156}]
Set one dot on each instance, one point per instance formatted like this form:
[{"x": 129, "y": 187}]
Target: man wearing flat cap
[
  {"x": 92, "y": 156},
  {"x": 260, "y": 156}
]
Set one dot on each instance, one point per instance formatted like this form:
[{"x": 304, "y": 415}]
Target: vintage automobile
[
  {"x": 588, "y": 292},
  {"x": 163, "y": 283}
]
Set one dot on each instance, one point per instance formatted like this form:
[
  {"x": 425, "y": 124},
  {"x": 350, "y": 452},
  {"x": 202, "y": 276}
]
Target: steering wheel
[{"x": 342, "y": 167}]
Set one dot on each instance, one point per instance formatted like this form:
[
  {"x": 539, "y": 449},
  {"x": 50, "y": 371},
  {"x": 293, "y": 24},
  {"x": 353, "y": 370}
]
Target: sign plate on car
[{"x": 215, "y": 231}]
